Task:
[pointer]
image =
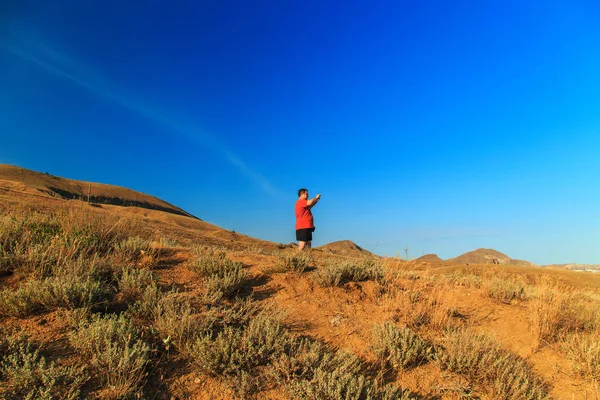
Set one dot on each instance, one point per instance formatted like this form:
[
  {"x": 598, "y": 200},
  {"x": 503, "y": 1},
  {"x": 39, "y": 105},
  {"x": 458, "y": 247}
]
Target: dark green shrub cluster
[
  {"x": 399, "y": 348},
  {"x": 483, "y": 361},
  {"x": 336, "y": 273}
]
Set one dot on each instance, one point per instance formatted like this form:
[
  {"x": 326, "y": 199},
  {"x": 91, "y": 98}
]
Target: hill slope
[
  {"x": 346, "y": 248},
  {"x": 23, "y": 180},
  {"x": 487, "y": 256}
]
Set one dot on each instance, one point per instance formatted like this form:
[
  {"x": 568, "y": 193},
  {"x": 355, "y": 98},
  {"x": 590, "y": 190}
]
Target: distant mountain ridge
[
  {"x": 575, "y": 267},
  {"x": 24, "y": 180}
]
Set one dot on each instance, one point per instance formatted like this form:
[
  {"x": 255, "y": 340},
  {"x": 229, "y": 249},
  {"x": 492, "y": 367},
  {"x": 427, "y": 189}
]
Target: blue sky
[{"x": 438, "y": 126}]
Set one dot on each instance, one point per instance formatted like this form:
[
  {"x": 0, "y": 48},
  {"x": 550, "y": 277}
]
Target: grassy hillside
[{"x": 118, "y": 302}]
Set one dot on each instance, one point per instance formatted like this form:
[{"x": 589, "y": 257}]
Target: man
[{"x": 305, "y": 225}]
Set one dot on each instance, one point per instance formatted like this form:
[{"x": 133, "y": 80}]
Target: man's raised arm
[{"x": 311, "y": 203}]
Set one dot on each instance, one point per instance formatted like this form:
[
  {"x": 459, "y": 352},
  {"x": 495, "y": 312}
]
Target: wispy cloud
[{"x": 61, "y": 65}]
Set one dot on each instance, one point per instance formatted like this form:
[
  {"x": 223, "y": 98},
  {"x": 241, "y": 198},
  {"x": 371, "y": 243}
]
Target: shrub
[
  {"x": 147, "y": 302},
  {"x": 133, "y": 282},
  {"x": 506, "y": 290},
  {"x": 26, "y": 374},
  {"x": 583, "y": 350},
  {"x": 38, "y": 296},
  {"x": 115, "y": 352},
  {"x": 336, "y": 273},
  {"x": 399, "y": 348},
  {"x": 555, "y": 311},
  {"x": 225, "y": 284},
  {"x": 239, "y": 349},
  {"x": 176, "y": 321},
  {"x": 133, "y": 247},
  {"x": 223, "y": 277},
  {"x": 311, "y": 370},
  {"x": 482, "y": 360},
  {"x": 290, "y": 263}
]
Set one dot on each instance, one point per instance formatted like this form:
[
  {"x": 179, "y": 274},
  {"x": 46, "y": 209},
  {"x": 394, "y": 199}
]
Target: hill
[
  {"x": 14, "y": 178},
  {"x": 429, "y": 258},
  {"x": 487, "y": 256},
  {"x": 161, "y": 296},
  {"x": 346, "y": 248}
]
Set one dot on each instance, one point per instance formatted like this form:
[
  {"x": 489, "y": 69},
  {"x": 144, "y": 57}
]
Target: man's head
[{"x": 303, "y": 193}]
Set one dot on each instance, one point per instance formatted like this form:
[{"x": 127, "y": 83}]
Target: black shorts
[{"x": 304, "y": 235}]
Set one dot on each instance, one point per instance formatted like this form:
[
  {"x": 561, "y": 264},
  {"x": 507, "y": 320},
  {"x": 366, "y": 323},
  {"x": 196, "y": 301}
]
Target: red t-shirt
[{"x": 304, "y": 218}]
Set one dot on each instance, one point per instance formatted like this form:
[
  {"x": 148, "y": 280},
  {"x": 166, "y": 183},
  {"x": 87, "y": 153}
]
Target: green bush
[
  {"x": 290, "y": 263},
  {"x": 507, "y": 290},
  {"x": 310, "y": 370},
  {"x": 25, "y": 374},
  {"x": 483, "y": 361},
  {"x": 177, "y": 322},
  {"x": 239, "y": 349},
  {"x": 399, "y": 348},
  {"x": 38, "y": 296},
  {"x": 223, "y": 278},
  {"x": 336, "y": 273},
  {"x": 133, "y": 282},
  {"x": 225, "y": 284},
  {"x": 133, "y": 247},
  {"x": 115, "y": 351}
]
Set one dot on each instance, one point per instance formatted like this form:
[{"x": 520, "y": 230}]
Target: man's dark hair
[{"x": 302, "y": 191}]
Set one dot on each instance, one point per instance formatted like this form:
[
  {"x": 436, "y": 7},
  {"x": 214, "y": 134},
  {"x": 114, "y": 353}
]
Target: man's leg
[
  {"x": 301, "y": 245},
  {"x": 309, "y": 245}
]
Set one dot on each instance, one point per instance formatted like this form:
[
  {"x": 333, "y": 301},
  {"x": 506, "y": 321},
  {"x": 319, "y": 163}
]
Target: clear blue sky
[{"x": 441, "y": 126}]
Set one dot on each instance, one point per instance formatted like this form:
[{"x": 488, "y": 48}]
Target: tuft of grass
[
  {"x": 25, "y": 374},
  {"x": 583, "y": 350},
  {"x": 507, "y": 290},
  {"x": 234, "y": 350},
  {"x": 38, "y": 296},
  {"x": 298, "y": 263},
  {"x": 483, "y": 361},
  {"x": 226, "y": 283},
  {"x": 556, "y": 311},
  {"x": 310, "y": 370},
  {"x": 133, "y": 282},
  {"x": 177, "y": 322},
  {"x": 336, "y": 273},
  {"x": 115, "y": 351},
  {"x": 399, "y": 348},
  {"x": 134, "y": 247},
  {"x": 223, "y": 277}
]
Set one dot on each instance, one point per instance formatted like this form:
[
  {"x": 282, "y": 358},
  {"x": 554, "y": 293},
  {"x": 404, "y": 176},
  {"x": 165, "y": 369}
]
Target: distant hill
[
  {"x": 487, "y": 256},
  {"x": 575, "y": 267},
  {"x": 26, "y": 181},
  {"x": 429, "y": 258},
  {"x": 346, "y": 248}
]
